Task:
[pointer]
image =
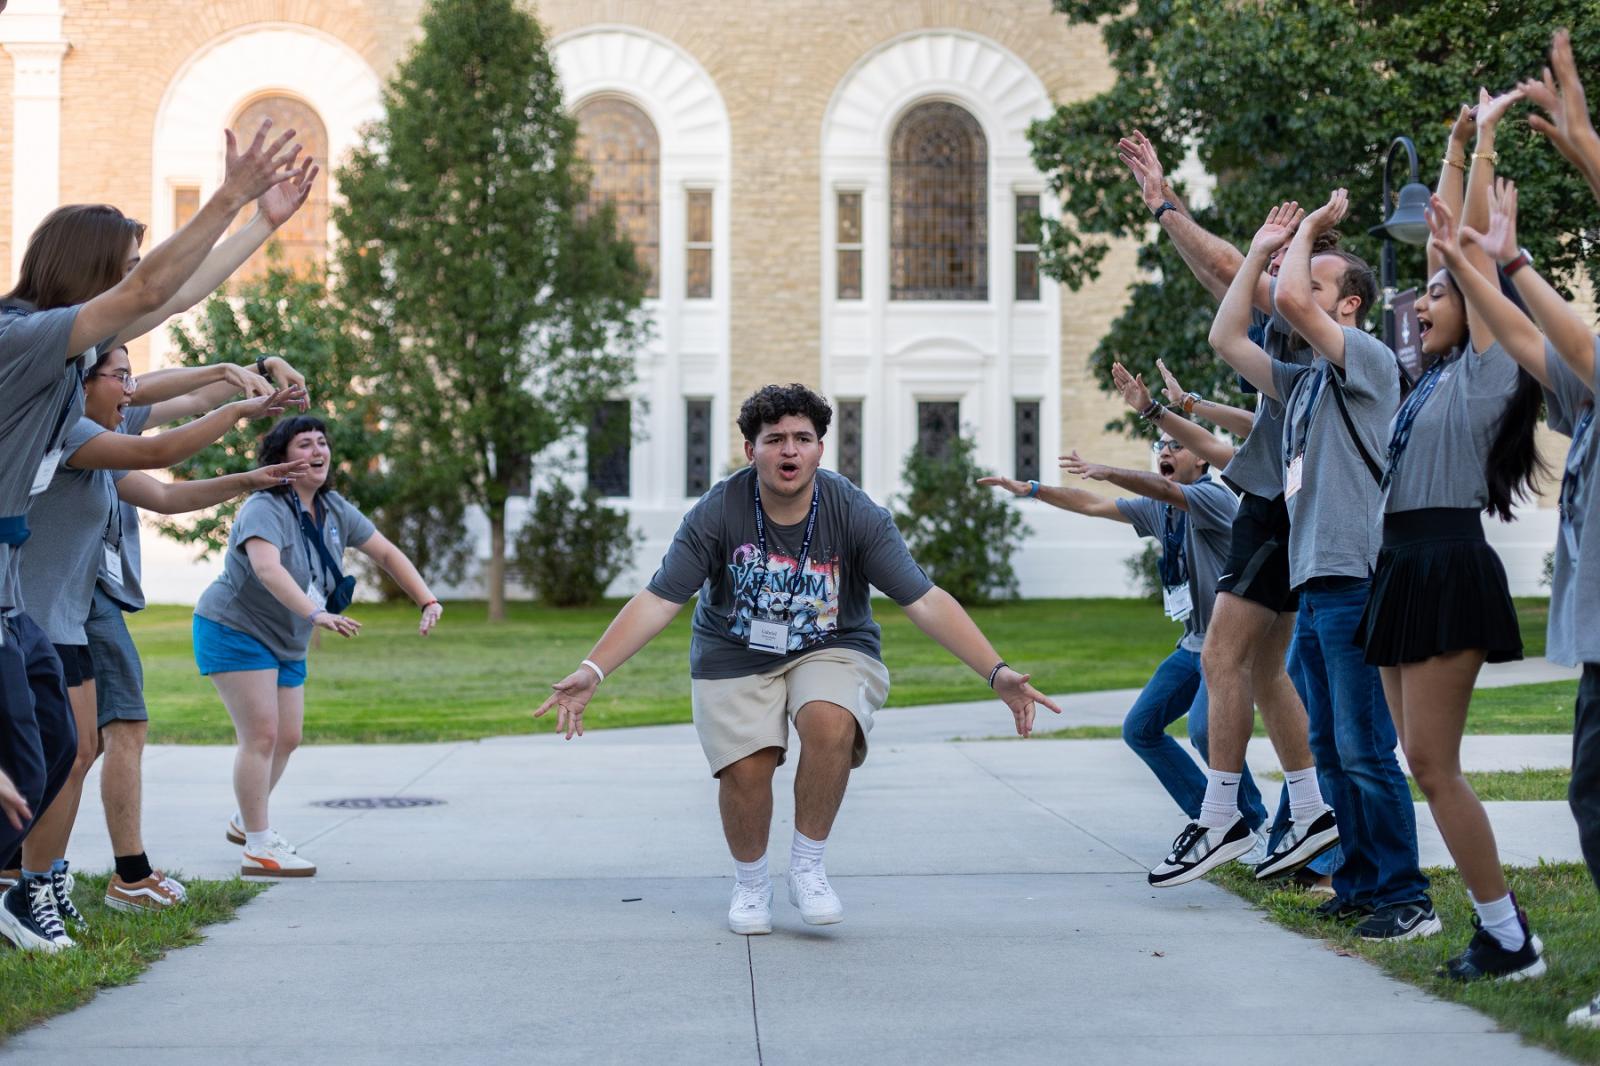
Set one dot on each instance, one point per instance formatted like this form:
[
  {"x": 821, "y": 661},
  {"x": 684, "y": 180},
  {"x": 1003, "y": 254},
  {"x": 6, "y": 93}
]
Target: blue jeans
[
  {"x": 1175, "y": 689},
  {"x": 1353, "y": 741}
]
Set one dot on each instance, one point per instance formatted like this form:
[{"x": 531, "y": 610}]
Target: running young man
[
  {"x": 1245, "y": 651},
  {"x": 783, "y": 557},
  {"x": 1337, "y": 421}
]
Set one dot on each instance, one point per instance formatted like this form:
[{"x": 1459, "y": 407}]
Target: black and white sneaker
[
  {"x": 29, "y": 920},
  {"x": 1485, "y": 957},
  {"x": 1401, "y": 921},
  {"x": 1198, "y": 851},
  {"x": 1587, "y": 1016},
  {"x": 1342, "y": 910},
  {"x": 61, "y": 885},
  {"x": 1298, "y": 844}
]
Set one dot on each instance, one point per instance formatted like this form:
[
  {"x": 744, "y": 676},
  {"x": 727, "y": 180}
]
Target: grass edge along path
[
  {"x": 1563, "y": 909},
  {"x": 1500, "y": 786},
  {"x": 114, "y": 951}
]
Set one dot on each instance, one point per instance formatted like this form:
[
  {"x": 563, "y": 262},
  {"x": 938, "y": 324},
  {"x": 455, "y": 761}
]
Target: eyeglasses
[
  {"x": 129, "y": 382},
  {"x": 1166, "y": 446}
]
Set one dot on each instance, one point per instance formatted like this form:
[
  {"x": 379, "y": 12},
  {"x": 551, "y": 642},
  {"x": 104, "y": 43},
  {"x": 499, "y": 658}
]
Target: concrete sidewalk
[{"x": 566, "y": 904}]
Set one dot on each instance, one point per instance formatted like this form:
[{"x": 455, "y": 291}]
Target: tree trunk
[{"x": 497, "y": 564}]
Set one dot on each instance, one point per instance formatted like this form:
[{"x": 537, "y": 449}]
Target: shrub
[
  {"x": 962, "y": 534},
  {"x": 571, "y": 548},
  {"x": 1144, "y": 571}
]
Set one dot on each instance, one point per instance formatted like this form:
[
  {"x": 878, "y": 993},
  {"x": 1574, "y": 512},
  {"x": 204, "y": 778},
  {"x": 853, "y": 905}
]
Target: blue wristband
[{"x": 1033, "y": 489}]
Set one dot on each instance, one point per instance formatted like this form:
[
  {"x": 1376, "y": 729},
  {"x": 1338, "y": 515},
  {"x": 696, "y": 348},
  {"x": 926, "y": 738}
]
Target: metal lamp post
[{"x": 1407, "y": 223}]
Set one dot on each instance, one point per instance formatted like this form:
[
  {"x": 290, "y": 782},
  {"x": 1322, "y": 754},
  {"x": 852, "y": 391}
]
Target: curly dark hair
[
  {"x": 274, "y": 446},
  {"x": 771, "y": 403}
]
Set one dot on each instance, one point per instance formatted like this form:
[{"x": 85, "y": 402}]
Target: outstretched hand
[
  {"x": 572, "y": 694},
  {"x": 1074, "y": 463},
  {"x": 1499, "y": 241},
  {"x": 1561, "y": 96},
  {"x": 1331, "y": 213},
  {"x": 1021, "y": 698},
  {"x": 1010, "y": 484},
  {"x": 275, "y": 404},
  {"x": 266, "y": 477},
  {"x": 13, "y": 804},
  {"x": 430, "y": 618},
  {"x": 1442, "y": 229},
  {"x": 250, "y": 173},
  {"x": 1139, "y": 155},
  {"x": 1173, "y": 390},
  {"x": 1133, "y": 390},
  {"x": 279, "y": 203},
  {"x": 1465, "y": 125},
  {"x": 1280, "y": 225},
  {"x": 1491, "y": 109},
  {"x": 246, "y": 381}
]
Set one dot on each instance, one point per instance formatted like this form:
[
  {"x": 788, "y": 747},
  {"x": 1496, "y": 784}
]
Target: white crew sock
[
  {"x": 257, "y": 841},
  {"x": 1221, "y": 804},
  {"x": 805, "y": 852},
  {"x": 751, "y": 874},
  {"x": 1305, "y": 794},
  {"x": 1499, "y": 917}
]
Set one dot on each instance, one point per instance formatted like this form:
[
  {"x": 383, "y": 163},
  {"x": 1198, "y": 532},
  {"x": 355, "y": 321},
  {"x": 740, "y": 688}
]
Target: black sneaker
[
  {"x": 1198, "y": 850},
  {"x": 1401, "y": 921},
  {"x": 1485, "y": 957},
  {"x": 1342, "y": 910},
  {"x": 61, "y": 888},
  {"x": 1297, "y": 845},
  {"x": 29, "y": 920}
]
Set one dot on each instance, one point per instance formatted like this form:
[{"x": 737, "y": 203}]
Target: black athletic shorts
[
  {"x": 76, "y": 666},
  {"x": 1258, "y": 559}
]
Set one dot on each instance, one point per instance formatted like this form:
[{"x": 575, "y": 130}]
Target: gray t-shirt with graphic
[
  {"x": 1336, "y": 518},
  {"x": 41, "y": 396},
  {"x": 855, "y": 548},
  {"x": 1207, "y": 535},
  {"x": 1445, "y": 463},
  {"x": 1572, "y": 636},
  {"x": 238, "y": 599},
  {"x": 73, "y": 520},
  {"x": 1257, "y": 466},
  {"x": 128, "y": 593}
]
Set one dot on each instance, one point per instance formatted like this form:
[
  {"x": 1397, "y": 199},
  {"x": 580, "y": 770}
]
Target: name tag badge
[
  {"x": 1178, "y": 601},
  {"x": 113, "y": 565},
  {"x": 46, "y": 471},
  {"x": 318, "y": 600},
  {"x": 1292, "y": 476},
  {"x": 769, "y": 636}
]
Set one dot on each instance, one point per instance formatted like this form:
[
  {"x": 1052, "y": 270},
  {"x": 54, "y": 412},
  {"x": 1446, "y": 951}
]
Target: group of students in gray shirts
[
  {"x": 73, "y": 421},
  {"x": 1358, "y": 527}
]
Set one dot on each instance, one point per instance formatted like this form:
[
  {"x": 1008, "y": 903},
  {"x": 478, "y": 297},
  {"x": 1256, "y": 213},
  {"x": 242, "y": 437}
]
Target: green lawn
[
  {"x": 116, "y": 949},
  {"x": 1500, "y": 785},
  {"x": 1562, "y": 908}
]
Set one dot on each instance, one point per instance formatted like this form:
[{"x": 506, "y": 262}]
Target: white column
[{"x": 30, "y": 32}]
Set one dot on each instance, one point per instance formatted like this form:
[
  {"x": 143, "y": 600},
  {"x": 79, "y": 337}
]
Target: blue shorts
[{"x": 220, "y": 650}]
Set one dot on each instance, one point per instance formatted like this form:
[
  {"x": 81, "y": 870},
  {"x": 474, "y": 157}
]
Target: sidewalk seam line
[{"x": 755, "y": 1017}]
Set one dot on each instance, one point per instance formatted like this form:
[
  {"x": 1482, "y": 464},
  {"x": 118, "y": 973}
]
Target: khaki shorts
[{"x": 738, "y": 716}]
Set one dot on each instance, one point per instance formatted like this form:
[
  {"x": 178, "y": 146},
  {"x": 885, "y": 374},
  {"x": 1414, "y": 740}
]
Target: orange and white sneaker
[
  {"x": 274, "y": 861},
  {"x": 154, "y": 893},
  {"x": 235, "y": 832}
]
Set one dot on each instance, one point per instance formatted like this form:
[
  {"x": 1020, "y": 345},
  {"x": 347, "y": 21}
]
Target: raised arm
[
  {"x": 234, "y": 380},
  {"x": 159, "y": 275},
  {"x": 1516, "y": 333},
  {"x": 159, "y": 386},
  {"x": 1143, "y": 482},
  {"x": 1566, "y": 121},
  {"x": 382, "y": 551},
  {"x": 180, "y": 497},
  {"x": 1297, "y": 301},
  {"x": 1230, "y": 329},
  {"x": 1194, "y": 437},
  {"x": 1078, "y": 501},
  {"x": 122, "y": 451},
  {"x": 939, "y": 615},
  {"x": 1480, "y": 181},
  {"x": 638, "y": 623}
]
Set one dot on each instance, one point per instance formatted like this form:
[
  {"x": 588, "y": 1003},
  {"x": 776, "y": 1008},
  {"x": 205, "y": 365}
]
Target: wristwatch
[
  {"x": 261, "y": 368},
  {"x": 1189, "y": 400},
  {"x": 1523, "y": 258},
  {"x": 1166, "y": 205}
]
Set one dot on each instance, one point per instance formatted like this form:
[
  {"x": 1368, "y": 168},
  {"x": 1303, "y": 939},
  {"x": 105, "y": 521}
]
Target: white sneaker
[
  {"x": 750, "y": 913},
  {"x": 1257, "y": 853},
  {"x": 818, "y": 902},
  {"x": 273, "y": 861},
  {"x": 282, "y": 844},
  {"x": 1586, "y": 1016}
]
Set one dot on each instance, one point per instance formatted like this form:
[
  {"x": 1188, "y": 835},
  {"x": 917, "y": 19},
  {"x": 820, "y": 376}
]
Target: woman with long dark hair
[
  {"x": 282, "y": 578},
  {"x": 1461, "y": 443}
]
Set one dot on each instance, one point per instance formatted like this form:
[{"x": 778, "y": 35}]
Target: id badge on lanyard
[
  {"x": 1293, "y": 476},
  {"x": 46, "y": 471},
  {"x": 318, "y": 599},
  {"x": 771, "y": 635},
  {"x": 113, "y": 562},
  {"x": 1178, "y": 601}
]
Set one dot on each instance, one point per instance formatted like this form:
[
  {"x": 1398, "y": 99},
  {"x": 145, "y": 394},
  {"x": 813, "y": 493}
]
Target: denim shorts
[{"x": 220, "y": 650}]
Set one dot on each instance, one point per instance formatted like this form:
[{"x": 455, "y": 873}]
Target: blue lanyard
[
  {"x": 761, "y": 528},
  {"x": 1174, "y": 553},
  {"x": 1302, "y": 428},
  {"x": 1406, "y": 417},
  {"x": 309, "y": 528},
  {"x": 1573, "y": 473}
]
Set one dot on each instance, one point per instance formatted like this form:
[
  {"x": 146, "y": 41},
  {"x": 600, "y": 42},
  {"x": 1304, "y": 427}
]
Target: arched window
[
  {"x": 939, "y": 217},
  {"x": 619, "y": 143},
  {"x": 301, "y": 243}
]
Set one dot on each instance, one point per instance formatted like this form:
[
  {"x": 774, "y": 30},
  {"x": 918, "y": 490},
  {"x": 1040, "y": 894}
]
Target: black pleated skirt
[{"x": 1438, "y": 588}]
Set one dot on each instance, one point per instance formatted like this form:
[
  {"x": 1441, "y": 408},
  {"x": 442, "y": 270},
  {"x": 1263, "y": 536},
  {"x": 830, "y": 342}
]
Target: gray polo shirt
[
  {"x": 129, "y": 592},
  {"x": 1572, "y": 636},
  {"x": 41, "y": 395},
  {"x": 73, "y": 521},
  {"x": 1336, "y": 519},
  {"x": 1205, "y": 544},
  {"x": 1446, "y": 462},
  {"x": 238, "y": 599},
  {"x": 1257, "y": 465}
]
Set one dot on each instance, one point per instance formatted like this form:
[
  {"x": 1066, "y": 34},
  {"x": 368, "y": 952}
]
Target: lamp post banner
[{"x": 1407, "y": 337}]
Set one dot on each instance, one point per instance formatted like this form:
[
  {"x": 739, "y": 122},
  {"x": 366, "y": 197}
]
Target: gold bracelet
[
  {"x": 1492, "y": 157},
  {"x": 1457, "y": 163}
]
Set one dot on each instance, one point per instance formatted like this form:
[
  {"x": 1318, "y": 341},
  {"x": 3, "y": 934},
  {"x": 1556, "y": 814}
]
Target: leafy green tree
[
  {"x": 1288, "y": 101},
  {"x": 495, "y": 311},
  {"x": 572, "y": 547},
  {"x": 962, "y": 534}
]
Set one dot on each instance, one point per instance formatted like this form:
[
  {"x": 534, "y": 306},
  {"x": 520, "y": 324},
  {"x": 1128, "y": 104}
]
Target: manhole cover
[{"x": 379, "y": 803}]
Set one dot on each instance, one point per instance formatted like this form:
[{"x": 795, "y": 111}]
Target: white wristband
[{"x": 590, "y": 663}]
